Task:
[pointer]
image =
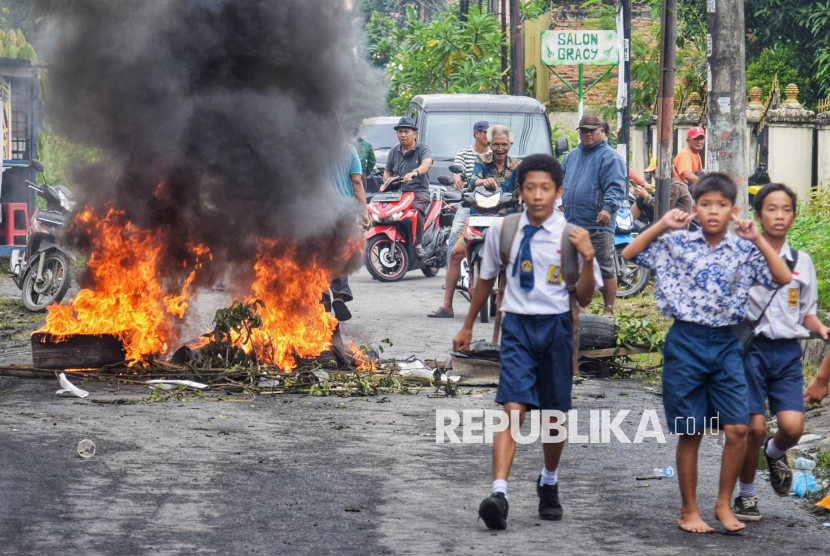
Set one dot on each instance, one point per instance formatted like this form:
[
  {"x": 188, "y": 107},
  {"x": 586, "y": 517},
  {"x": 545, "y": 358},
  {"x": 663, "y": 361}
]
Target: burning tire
[
  {"x": 386, "y": 260},
  {"x": 57, "y": 277}
]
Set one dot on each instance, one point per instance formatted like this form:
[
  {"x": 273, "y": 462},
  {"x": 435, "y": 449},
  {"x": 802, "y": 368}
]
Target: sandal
[
  {"x": 420, "y": 252},
  {"x": 441, "y": 313}
]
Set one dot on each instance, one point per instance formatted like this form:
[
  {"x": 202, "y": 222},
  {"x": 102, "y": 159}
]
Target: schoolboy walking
[
  {"x": 772, "y": 361},
  {"x": 703, "y": 281},
  {"x": 536, "y": 345}
]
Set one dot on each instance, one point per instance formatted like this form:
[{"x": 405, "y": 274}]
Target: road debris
[
  {"x": 86, "y": 448},
  {"x": 68, "y": 387}
]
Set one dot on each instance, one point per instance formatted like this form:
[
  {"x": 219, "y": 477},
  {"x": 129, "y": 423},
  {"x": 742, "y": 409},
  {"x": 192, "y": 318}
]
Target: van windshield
[
  {"x": 381, "y": 136},
  {"x": 448, "y": 132}
]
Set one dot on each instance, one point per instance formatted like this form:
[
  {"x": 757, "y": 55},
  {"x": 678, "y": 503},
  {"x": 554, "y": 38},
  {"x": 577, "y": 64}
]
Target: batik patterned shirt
[{"x": 696, "y": 283}]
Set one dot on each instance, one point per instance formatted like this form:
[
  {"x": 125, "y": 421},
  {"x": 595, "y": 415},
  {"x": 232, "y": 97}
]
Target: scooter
[
  {"x": 491, "y": 205},
  {"x": 43, "y": 271},
  {"x": 390, "y": 242},
  {"x": 631, "y": 277}
]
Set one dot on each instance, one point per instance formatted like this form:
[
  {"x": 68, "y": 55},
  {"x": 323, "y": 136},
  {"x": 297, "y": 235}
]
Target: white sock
[
  {"x": 773, "y": 451},
  {"x": 549, "y": 477},
  {"x": 500, "y": 485},
  {"x": 746, "y": 490}
]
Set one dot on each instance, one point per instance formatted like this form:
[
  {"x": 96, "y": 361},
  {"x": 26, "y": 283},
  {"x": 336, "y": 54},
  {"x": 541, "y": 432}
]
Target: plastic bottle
[
  {"x": 805, "y": 463},
  {"x": 663, "y": 472},
  {"x": 803, "y": 482}
]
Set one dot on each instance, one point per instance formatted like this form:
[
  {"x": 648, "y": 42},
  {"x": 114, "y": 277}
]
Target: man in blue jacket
[{"x": 594, "y": 191}]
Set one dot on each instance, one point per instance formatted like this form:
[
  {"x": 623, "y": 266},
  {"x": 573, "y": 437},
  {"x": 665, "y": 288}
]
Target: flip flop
[
  {"x": 341, "y": 312},
  {"x": 420, "y": 252},
  {"x": 441, "y": 313}
]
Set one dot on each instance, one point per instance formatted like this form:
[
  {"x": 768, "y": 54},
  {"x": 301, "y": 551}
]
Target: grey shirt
[{"x": 422, "y": 152}]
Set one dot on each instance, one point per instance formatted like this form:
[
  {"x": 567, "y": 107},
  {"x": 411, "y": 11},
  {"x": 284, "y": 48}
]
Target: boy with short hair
[
  {"x": 773, "y": 360},
  {"x": 703, "y": 281},
  {"x": 537, "y": 334}
]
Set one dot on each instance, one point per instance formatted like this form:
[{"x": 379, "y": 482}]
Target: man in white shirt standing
[{"x": 772, "y": 362}]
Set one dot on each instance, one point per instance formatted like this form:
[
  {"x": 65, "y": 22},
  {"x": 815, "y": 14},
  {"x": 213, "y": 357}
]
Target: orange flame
[
  {"x": 363, "y": 361},
  {"x": 128, "y": 301}
]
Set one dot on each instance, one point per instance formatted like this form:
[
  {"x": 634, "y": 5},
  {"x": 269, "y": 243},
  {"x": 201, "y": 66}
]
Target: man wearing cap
[
  {"x": 594, "y": 191},
  {"x": 687, "y": 162},
  {"x": 415, "y": 173}
]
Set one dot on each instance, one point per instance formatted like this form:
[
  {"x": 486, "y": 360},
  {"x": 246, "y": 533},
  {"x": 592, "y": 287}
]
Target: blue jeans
[{"x": 457, "y": 227}]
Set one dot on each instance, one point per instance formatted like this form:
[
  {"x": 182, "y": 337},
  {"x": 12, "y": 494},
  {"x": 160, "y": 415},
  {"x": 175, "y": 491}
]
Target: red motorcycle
[{"x": 390, "y": 241}]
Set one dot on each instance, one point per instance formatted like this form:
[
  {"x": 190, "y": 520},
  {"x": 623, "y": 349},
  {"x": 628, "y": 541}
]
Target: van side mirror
[{"x": 561, "y": 147}]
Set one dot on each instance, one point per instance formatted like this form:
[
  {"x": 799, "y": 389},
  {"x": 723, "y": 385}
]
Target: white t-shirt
[
  {"x": 549, "y": 295},
  {"x": 792, "y": 303}
]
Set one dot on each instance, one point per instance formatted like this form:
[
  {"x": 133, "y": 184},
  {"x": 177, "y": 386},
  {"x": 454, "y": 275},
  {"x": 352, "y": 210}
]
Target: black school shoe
[
  {"x": 745, "y": 508},
  {"x": 549, "y": 506},
  {"x": 493, "y": 511},
  {"x": 780, "y": 474}
]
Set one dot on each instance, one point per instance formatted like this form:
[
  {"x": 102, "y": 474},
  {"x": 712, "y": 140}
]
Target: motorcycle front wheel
[
  {"x": 631, "y": 277},
  {"x": 385, "y": 259},
  {"x": 57, "y": 277},
  {"x": 484, "y": 313}
]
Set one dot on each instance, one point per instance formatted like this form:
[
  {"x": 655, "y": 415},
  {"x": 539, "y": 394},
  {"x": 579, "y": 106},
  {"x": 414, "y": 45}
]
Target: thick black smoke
[{"x": 233, "y": 106}]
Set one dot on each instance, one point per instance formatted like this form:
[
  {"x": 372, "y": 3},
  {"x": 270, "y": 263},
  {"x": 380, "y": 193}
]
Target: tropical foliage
[{"x": 445, "y": 55}]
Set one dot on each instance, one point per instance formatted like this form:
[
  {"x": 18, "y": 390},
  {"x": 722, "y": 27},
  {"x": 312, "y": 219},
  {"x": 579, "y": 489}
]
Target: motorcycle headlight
[
  {"x": 67, "y": 203},
  {"x": 624, "y": 222},
  {"x": 375, "y": 217},
  {"x": 487, "y": 202},
  {"x": 394, "y": 217}
]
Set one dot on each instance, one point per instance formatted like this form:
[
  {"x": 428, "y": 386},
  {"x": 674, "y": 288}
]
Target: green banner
[{"x": 566, "y": 47}]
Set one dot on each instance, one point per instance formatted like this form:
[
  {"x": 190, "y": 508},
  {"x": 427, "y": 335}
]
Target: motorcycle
[
  {"x": 390, "y": 241},
  {"x": 488, "y": 203},
  {"x": 631, "y": 277},
  {"x": 43, "y": 270}
]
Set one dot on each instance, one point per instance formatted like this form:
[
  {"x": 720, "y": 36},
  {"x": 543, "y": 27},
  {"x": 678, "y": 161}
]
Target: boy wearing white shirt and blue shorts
[
  {"x": 537, "y": 334},
  {"x": 772, "y": 362}
]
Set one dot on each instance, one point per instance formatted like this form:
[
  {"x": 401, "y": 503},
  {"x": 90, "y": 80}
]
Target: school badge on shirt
[
  {"x": 554, "y": 276},
  {"x": 792, "y": 297}
]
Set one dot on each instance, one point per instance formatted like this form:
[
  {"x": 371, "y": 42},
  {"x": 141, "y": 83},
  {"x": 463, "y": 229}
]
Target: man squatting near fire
[
  {"x": 703, "y": 281},
  {"x": 772, "y": 361},
  {"x": 537, "y": 341},
  {"x": 345, "y": 173}
]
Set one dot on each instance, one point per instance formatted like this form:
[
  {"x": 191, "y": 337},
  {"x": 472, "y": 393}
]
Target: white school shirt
[
  {"x": 785, "y": 316},
  {"x": 549, "y": 295}
]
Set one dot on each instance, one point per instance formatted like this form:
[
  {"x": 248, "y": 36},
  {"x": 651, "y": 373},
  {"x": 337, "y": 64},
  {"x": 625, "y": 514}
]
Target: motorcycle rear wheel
[
  {"x": 430, "y": 271},
  {"x": 57, "y": 274},
  {"x": 632, "y": 278},
  {"x": 385, "y": 259}
]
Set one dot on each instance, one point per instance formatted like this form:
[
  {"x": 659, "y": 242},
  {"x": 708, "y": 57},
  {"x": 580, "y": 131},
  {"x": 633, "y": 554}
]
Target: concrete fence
[{"x": 797, "y": 140}]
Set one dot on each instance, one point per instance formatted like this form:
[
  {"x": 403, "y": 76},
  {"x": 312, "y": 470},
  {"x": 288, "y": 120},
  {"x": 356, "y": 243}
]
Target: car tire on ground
[{"x": 596, "y": 331}]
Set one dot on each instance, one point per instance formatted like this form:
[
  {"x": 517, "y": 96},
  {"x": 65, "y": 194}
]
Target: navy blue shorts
[
  {"x": 774, "y": 371},
  {"x": 536, "y": 365},
  {"x": 703, "y": 378}
]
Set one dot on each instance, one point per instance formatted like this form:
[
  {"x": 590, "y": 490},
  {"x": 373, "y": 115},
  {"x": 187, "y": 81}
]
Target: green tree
[
  {"x": 444, "y": 55},
  {"x": 779, "y": 62}
]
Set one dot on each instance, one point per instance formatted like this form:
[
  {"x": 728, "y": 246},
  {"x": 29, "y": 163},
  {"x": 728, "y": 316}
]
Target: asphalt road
[{"x": 289, "y": 474}]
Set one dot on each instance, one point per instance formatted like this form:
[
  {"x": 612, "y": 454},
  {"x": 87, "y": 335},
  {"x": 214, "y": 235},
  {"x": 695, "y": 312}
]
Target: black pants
[
  {"x": 647, "y": 213},
  {"x": 421, "y": 204},
  {"x": 340, "y": 289}
]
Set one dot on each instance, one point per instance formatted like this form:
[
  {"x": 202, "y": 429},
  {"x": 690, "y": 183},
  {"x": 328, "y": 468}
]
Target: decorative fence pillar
[
  {"x": 791, "y": 143},
  {"x": 754, "y": 113},
  {"x": 823, "y": 132}
]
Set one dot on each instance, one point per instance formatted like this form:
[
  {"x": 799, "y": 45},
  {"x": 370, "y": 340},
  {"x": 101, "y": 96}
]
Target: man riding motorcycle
[{"x": 493, "y": 169}]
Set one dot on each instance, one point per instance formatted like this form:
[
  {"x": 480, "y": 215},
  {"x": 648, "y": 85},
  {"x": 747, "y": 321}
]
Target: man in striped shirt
[{"x": 467, "y": 157}]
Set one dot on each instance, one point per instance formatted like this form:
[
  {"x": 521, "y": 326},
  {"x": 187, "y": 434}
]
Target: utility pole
[
  {"x": 517, "y": 51},
  {"x": 726, "y": 85},
  {"x": 624, "y": 81},
  {"x": 504, "y": 47},
  {"x": 665, "y": 107}
]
